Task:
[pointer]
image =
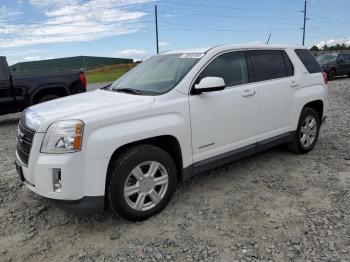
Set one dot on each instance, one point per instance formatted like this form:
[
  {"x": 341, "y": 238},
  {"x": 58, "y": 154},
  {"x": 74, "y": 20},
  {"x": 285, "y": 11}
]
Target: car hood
[{"x": 88, "y": 105}]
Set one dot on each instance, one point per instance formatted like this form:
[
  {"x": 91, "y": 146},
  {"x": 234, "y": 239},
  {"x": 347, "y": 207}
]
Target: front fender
[{"x": 102, "y": 142}]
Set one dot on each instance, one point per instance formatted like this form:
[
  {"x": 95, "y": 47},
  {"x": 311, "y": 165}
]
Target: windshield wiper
[{"x": 128, "y": 90}]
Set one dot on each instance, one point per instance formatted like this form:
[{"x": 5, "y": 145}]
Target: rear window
[
  {"x": 309, "y": 61},
  {"x": 270, "y": 64}
]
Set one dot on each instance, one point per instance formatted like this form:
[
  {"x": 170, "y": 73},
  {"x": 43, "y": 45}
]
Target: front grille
[{"x": 25, "y": 137}]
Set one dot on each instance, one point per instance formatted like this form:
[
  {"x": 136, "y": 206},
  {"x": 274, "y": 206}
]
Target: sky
[{"x": 43, "y": 29}]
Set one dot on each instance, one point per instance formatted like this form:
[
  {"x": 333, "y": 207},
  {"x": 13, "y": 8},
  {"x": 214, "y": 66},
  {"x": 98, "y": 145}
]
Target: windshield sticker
[{"x": 192, "y": 55}]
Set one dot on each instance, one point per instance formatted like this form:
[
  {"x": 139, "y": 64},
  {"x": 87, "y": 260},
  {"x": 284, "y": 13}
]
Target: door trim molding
[{"x": 231, "y": 156}]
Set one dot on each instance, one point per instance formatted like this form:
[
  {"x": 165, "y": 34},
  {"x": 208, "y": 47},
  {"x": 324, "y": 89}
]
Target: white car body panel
[{"x": 205, "y": 125}]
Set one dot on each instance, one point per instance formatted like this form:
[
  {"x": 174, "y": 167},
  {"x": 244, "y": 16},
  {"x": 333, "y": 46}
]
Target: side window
[
  {"x": 341, "y": 57},
  {"x": 232, "y": 67},
  {"x": 3, "y": 75},
  {"x": 269, "y": 64},
  {"x": 289, "y": 65},
  {"x": 309, "y": 61}
]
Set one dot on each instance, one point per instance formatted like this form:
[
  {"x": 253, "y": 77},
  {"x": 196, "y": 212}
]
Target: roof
[{"x": 232, "y": 46}]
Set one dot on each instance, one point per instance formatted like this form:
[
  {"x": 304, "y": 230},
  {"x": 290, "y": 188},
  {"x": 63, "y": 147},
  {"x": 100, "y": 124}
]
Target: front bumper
[
  {"x": 85, "y": 205},
  {"x": 82, "y": 180}
]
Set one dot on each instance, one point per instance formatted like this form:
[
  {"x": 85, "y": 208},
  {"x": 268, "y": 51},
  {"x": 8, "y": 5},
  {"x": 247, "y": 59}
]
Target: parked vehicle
[
  {"x": 18, "y": 91},
  {"x": 335, "y": 64},
  {"x": 175, "y": 115}
]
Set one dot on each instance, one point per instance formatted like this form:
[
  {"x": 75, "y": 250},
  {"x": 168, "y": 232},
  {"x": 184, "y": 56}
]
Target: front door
[{"x": 224, "y": 120}]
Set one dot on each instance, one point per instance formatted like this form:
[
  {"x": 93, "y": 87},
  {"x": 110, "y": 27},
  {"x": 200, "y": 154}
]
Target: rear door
[
  {"x": 7, "y": 103},
  {"x": 274, "y": 75},
  {"x": 225, "y": 120}
]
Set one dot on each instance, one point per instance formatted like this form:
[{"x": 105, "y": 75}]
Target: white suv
[{"x": 175, "y": 115}]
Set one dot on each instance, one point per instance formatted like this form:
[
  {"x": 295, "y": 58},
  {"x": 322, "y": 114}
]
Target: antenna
[{"x": 268, "y": 39}]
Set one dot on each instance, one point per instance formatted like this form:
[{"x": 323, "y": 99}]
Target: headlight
[
  {"x": 63, "y": 137},
  {"x": 32, "y": 119}
]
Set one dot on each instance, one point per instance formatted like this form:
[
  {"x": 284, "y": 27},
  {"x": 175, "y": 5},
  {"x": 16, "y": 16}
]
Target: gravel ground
[{"x": 274, "y": 206}]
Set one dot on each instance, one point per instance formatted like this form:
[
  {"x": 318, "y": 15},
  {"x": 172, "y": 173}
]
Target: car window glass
[
  {"x": 268, "y": 64},
  {"x": 309, "y": 61},
  {"x": 341, "y": 57},
  {"x": 3, "y": 75},
  {"x": 289, "y": 65},
  {"x": 232, "y": 67}
]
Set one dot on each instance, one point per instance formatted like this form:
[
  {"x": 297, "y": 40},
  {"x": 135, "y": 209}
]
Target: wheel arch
[
  {"x": 168, "y": 143},
  {"x": 43, "y": 91},
  {"x": 318, "y": 106}
]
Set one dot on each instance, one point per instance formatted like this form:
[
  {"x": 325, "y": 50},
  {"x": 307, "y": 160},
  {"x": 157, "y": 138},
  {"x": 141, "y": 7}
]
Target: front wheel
[
  {"x": 141, "y": 182},
  {"x": 307, "y": 132},
  {"x": 331, "y": 75}
]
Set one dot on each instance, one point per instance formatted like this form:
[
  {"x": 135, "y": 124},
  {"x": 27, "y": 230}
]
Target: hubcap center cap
[{"x": 147, "y": 184}]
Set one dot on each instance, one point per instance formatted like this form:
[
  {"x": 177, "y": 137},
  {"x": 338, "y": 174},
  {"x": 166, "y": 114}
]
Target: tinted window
[
  {"x": 289, "y": 65},
  {"x": 3, "y": 75},
  {"x": 232, "y": 67},
  {"x": 269, "y": 64},
  {"x": 309, "y": 61}
]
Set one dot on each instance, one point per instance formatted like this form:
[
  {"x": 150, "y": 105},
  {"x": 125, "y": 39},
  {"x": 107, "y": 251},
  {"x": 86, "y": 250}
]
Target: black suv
[{"x": 335, "y": 64}]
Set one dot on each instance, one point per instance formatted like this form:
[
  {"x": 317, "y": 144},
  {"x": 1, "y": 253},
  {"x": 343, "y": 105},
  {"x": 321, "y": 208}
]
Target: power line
[
  {"x": 222, "y": 16},
  {"x": 226, "y": 7},
  {"x": 182, "y": 26}
]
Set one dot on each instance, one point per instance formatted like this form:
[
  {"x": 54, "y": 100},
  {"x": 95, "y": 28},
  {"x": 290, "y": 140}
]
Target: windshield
[
  {"x": 157, "y": 75},
  {"x": 326, "y": 58}
]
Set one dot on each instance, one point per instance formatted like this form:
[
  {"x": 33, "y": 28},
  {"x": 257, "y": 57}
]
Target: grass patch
[{"x": 108, "y": 73}]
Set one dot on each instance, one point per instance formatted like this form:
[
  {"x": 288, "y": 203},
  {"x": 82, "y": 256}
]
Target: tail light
[
  {"x": 325, "y": 78},
  {"x": 83, "y": 81}
]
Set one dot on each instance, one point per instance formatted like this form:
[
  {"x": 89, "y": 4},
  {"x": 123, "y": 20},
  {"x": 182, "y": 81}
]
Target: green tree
[{"x": 314, "y": 48}]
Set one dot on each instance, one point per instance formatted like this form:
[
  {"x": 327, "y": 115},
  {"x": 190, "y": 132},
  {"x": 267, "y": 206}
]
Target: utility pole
[
  {"x": 305, "y": 19},
  {"x": 268, "y": 39},
  {"x": 156, "y": 18}
]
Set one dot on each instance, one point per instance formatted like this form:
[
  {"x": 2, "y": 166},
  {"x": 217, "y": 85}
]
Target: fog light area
[{"x": 56, "y": 179}]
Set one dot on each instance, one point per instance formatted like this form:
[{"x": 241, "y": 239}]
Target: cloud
[
  {"x": 73, "y": 21},
  {"x": 163, "y": 43},
  {"x": 32, "y": 58},
  {"x": 332, "y": 42},
  {"x": 137, "y": 54}
]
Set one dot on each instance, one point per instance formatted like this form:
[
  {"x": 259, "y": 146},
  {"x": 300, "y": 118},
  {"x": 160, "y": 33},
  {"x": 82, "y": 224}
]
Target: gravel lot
[{"x": 273, "y": 206}]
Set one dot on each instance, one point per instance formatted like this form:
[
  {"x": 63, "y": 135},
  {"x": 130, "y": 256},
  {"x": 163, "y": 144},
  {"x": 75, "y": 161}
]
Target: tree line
[{"x": 331, "y": 48}]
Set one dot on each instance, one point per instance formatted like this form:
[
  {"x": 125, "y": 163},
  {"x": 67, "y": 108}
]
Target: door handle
[
  {"x": 248, "y": 92},
  {"x": 294, "y": 84}
]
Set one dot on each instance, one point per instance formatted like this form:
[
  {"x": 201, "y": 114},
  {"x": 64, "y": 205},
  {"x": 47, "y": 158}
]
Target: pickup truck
[
  {"x": 18, "y": 92},
  {"x": 173, "y": 116}
]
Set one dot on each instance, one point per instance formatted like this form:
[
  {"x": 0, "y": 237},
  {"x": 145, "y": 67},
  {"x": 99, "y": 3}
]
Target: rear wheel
[
  {"x": 141, "y": 182},
  {"x": 48, "y": 98},
  {"x": 307, "y": 132}
]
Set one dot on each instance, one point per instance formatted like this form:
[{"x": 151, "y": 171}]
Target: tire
[
  {"x": 331, "y": 75},
  {"x": 306, "y": 137},
  {"x": 131, "y": 170},
  {"x": 48, "y": 98}
]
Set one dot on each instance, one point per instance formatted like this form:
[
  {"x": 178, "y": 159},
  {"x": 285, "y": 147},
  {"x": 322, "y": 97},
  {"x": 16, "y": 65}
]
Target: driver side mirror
[
  {"x": 340, "y": 61},
  {"x": 209, "y": 84}
]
